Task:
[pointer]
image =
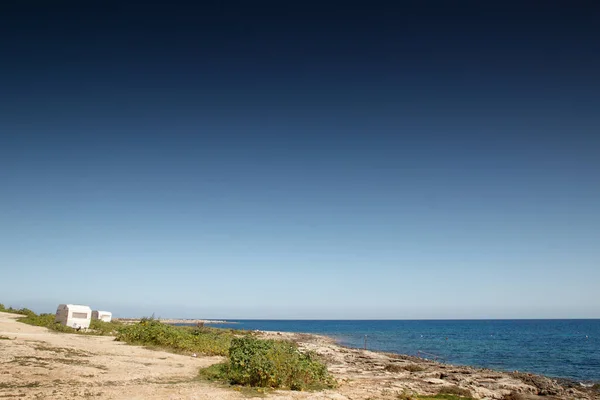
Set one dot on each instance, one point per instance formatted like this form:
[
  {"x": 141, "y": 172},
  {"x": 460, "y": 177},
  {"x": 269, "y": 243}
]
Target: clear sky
[{"x": 301, "y": 160}]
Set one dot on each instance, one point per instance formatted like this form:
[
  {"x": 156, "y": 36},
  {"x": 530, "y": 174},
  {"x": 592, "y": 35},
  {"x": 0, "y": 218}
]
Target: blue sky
[{"x": 381, "y": 163}]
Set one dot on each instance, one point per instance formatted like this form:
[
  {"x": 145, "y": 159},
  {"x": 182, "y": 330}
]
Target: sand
[{"x": 36, "y": 363}]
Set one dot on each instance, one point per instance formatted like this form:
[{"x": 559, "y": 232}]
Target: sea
[{"x": 557, "y": 348}]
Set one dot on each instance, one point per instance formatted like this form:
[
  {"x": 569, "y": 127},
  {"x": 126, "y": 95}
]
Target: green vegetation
[
  {"x": 148, "y": 332},
  {"x": 270, "y": 364},
  {"x": 47, "y": 321},
  {"x": 178, "y": 339},
  {"x": 102, "y": 328},
  {"x": 23, "y": 311},
  {"x": 455, "y": 390},
  {"x": 252, "y": 362},
  {"x": 220, "y": 373}
]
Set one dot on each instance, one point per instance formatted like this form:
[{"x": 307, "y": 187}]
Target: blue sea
[{"x": 558, "y": 348}]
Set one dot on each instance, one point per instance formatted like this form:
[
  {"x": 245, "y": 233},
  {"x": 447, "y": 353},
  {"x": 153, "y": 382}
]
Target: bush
[
  {"x": 394, "y": 368},
  {"x": 180, "y": 339},
  {"x": 47, "y": 321},
  {"x": 98, "y": 327},
  {"x": 275, "y": 364},
  {"x": 216, "y": 372},
  {"x": 402, "y": 368},
  {"x": 455, "y": 390},
  {"x": 23, "y": 311},
  {"x": 414, "y": 368}
]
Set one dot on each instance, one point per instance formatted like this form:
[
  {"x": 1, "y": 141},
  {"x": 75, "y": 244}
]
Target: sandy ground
[{"x": 36, "y": 363}]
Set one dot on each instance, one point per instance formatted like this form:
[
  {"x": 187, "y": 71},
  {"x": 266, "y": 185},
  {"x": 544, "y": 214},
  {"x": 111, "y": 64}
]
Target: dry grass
[
  {"x": 29, "y": 361},
  {"x": 18, "y": 386},
  {"x": 455, "y": 390},
  {"x": 42, "y": 362},
  {"x": 66, "y": 351},
  {"x": 404, "y": 367}
]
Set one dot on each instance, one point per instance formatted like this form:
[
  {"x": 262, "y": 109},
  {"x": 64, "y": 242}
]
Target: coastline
[
  {"x": 38, "y": 363},
  {"x": 555, "y": 348},
  {"x": 401, "y": 373},
  {"x": 561, "y": 380}
]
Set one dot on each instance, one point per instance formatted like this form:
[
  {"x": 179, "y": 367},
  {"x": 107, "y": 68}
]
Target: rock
[
  {"x": 545, "y": 386},
  {"x": 435, "y": 381},
  {"x": 483, "y": 393}
]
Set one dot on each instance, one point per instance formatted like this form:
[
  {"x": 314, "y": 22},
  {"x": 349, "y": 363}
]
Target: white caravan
[
  {"x": 74, "y": 315},
  {"x": 105, "y": 316}
]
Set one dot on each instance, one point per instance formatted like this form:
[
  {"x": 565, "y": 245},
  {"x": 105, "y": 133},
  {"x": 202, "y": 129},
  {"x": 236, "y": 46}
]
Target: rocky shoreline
[{"x": 385, "y": 375}]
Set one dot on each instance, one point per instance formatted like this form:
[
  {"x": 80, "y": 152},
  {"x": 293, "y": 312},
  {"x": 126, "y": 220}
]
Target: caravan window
[{"x": 80, "y": 315}]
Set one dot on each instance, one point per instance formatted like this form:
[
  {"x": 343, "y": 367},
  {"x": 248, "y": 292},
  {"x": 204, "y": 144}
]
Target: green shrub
[
  {"x": 47, "y": 321},
  {"x": 23, "y": 311},
  {"x": 216, "y": 372},
  {"x": 180, "y": 339},
  {"x": 405, "y": 367},
  {"x": 276, "y": 364},
  {"x": 98, "y": 327},
  {"x": 455, "y": 390}
]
